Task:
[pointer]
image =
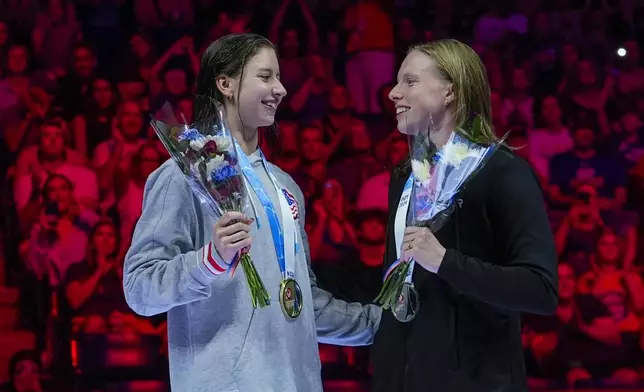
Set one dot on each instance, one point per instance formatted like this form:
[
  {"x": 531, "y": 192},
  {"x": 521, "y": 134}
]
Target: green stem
[
  {"x": 392, "y": 287},
  {"x": 258, "y": 293}
]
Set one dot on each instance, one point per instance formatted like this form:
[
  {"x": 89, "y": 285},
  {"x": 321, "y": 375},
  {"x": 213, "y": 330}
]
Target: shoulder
[
  {"x": 286, "y": 181},
  {"x": 169, "y": 178},
  {"x": 505, "y": 164},
  {"x": 507, "y": 175}
]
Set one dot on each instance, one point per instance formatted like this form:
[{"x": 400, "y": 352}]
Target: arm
[
  {"x": 278, "y": 19},
  {"x": 337, "y": 322},
  {"x": 561, "y": 236},
  {"x": 313, "y": 34},
  {"x": 301, "y": 96},
  {"x": 162, "y": 269},
  {"x": 78, "y": 293},
  {"x": 526, "y": 279}
]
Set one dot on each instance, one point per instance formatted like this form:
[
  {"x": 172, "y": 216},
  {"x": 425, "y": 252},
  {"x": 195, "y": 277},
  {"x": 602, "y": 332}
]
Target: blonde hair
[{"x": 459, "y": 65}]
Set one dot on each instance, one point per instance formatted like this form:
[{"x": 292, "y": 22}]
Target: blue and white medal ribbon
[
  {"x": 400, "y": 223},
  {"x": 284, "y": 235},
  {"x": 407, "y": 304}
]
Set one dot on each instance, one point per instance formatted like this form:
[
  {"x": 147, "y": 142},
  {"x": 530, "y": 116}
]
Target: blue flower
[
  {"x": 190, "y": 134},
  {"x": 223, "y": 173}
]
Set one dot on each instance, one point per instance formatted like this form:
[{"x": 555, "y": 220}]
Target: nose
[
  {"x": 279, "y": 90},
  {"x": 395, "y": 95}
]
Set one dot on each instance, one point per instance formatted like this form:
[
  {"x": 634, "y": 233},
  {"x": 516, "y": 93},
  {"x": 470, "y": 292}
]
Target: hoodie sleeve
[{"x": 162, "y": 268}]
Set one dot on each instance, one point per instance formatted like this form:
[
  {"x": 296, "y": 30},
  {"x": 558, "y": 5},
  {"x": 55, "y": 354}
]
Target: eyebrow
[{"x": 408, "y": 75}]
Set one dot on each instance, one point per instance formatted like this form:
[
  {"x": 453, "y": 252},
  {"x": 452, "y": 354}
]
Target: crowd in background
[{"x": 79, "y": 80}]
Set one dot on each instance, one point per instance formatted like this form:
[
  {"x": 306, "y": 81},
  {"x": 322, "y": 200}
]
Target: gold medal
[{"x": 291, "y": 298}]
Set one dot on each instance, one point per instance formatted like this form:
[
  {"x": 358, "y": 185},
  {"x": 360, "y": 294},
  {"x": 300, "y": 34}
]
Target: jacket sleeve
[
  {"x": 525, "y": 280},
  {"x": 162, "y": 269},
  {"x": 337, "y": 322}
]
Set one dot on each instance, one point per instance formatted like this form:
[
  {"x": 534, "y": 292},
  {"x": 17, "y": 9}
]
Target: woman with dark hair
[
  {"x": 179, "y": 254},
  {"x": 94, "y": 287}
]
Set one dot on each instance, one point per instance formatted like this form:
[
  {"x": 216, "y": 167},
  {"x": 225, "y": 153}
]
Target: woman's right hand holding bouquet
[{"x": 231, "y": 234}]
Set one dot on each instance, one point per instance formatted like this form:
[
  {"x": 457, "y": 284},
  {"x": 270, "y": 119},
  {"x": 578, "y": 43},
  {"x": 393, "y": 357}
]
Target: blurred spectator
[
  {"x": 94, "y": 287},
  {"x": 294, "y": 51},
  {"x": 74, "y": 86},
  {"x": 114, "y": 156},
  {"x": 333, "y": 238},
  {"x": 25, "y": 372},
  {"x": 370, "y": 47},
  {"x": 58, "y": 239},
  {"x": 55, "y": 35},
  {"x": 359, "y": 164},
  {"x": 550, "y": 138},
  {"x": 95, "y": 123},
  {"x": 129, "y": 187},
  {"x": 584, "y": 165},
  {"x": 36, "y": 166},
  {"x": 373, "y": 193}
]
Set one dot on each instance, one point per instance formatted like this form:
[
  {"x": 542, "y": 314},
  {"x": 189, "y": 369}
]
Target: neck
[
  {"x": 246, "y": 137},
  {"x": 52, "y": 163},
  {"x": 444, "y": 128},
  {"x": 442, "y": 134}
]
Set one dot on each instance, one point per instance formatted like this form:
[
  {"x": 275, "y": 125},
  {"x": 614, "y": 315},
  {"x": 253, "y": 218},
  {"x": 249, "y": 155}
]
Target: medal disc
[
  {"x": 408, "y": 304},
  {"x": 291, "y": 298}
]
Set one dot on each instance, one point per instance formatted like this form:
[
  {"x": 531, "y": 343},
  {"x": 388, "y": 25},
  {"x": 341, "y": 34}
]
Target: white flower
[
  {"x": 213, "y": 164},
  {"x": 223, "y": 142},
  {"x": 198, "y": 143},
  {"x": 420, "y": 170},
  {"x": 455, "y": 153}
]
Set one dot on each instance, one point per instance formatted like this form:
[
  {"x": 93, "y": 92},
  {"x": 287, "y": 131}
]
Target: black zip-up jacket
[{"x": 500, "y": 262}]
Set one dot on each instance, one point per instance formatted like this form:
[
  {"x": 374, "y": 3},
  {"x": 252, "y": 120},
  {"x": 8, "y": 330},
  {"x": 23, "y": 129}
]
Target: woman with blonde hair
[{"x": 491, "y": 259}]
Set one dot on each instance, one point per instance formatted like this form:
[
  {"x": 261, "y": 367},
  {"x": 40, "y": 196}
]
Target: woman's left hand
[{"x": 420, "y": 244}]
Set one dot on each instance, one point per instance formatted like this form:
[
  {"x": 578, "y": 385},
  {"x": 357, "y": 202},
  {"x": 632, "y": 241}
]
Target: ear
[
  {"x": 225, "y": 85},
  {"x": 449, "y": 94}
]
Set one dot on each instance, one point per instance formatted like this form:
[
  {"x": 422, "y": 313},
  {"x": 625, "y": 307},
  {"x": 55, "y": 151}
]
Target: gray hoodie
[{"x": 217, "y": 341}]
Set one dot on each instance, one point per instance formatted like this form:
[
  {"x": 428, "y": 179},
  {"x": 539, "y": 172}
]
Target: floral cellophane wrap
[{"x": 206, "y": 154}]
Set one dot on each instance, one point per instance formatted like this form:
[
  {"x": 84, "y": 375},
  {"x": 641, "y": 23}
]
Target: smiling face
[
  {"x": 261, "y": 91},
  {"x": 421, "y": 94}
]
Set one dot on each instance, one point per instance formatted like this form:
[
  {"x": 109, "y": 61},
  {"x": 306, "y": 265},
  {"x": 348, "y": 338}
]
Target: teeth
[
  {"x": 401, "y": 110},
  {"x": 271, "y": 104}
]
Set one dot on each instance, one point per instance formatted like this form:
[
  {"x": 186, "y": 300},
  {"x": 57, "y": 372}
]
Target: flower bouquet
[
  {"x": 437, "y": 175},
  {"x": 205, "y": 152}
]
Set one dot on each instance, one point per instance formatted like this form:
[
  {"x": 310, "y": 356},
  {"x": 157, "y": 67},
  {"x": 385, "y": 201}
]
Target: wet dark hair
[{"x": 227, "y": 56}]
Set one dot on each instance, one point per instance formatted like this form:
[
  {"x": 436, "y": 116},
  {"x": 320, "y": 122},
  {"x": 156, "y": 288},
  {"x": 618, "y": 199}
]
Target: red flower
[{"x": 210, "y": 147}]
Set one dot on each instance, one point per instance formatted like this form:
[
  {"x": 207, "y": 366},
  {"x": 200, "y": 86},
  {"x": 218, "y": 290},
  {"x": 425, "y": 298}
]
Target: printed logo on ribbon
[{"x": 292, "y": 203}]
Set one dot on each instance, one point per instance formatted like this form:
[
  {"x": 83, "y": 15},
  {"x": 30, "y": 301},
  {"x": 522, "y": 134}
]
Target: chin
[
  {"x": 407, "y": 127},
  {"x": 266, "y": 122}
]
